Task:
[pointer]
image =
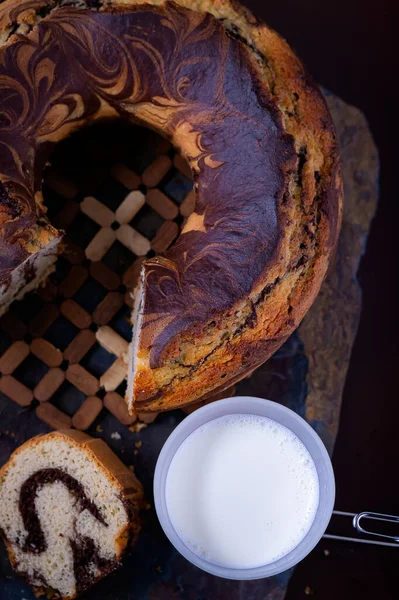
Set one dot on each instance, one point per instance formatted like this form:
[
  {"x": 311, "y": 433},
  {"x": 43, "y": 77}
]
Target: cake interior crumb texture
[
  {"x": 66, "y": 522},
  {"x": 137, "y": 319},
  {"x": 29, "y": 275}
]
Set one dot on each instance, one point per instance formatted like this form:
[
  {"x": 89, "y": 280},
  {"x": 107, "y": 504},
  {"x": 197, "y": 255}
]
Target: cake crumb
[
  {"x": 116, "y": 436},
  {"x": 131, "y": 468},
  {"x": 135, "y": 452},
  {"x": 99, "y": 429},
  {"x": 308, "y": 591},
  {"x": 138, "y": 444},
  {"x": 159, "y": 569},
  {"x": 326, "y": 552},
  {"x": 147, "y": 506},
  {"x": 137, "y": 427}
]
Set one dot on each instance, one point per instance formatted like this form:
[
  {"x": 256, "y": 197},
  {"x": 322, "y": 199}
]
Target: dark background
[{"x": 349, "y": 47}]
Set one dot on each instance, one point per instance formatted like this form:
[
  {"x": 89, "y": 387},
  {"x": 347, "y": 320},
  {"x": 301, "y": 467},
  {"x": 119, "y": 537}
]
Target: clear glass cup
[{"x": 281, "y": 414}]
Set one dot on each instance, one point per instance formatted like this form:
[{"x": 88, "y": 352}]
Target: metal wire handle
[{"x": 356, "y": 522}]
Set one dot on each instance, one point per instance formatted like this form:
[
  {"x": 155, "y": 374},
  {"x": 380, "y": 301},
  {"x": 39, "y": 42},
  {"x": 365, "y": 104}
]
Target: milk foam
[{"x": 242, "y": 491}]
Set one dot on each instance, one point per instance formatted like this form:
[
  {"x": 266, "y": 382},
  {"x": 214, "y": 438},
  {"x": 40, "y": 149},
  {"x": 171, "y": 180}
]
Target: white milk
[{"x": 242, "y": 491}]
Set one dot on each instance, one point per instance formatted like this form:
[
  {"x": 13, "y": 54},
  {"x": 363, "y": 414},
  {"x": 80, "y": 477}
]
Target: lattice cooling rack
[{"x": 121, "y": 193}]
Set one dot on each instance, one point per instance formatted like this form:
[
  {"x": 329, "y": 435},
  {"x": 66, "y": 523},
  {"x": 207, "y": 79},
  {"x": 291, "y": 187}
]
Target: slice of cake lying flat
[{"x": 69, "y": 508}]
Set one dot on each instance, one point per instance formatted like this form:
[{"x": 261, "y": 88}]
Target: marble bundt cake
[
  {"x": 68, "y": 510},
  {"x": 234, "y": 99}
]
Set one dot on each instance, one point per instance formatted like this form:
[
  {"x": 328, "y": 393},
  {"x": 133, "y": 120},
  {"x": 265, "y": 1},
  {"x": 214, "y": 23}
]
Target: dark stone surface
[
  {"x": 328, "y": 331},
  {"x": 307, "y": 374}
]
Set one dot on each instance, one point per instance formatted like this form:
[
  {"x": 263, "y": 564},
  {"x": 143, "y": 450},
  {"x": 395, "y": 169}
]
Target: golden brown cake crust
[
  {"x": 232, "y": 289},
  {"x": 285, "y": 290}
]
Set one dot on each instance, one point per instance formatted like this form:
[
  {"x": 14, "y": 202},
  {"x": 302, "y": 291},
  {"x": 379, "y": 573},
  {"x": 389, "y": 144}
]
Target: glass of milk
[{"x": 244, "y": 488}]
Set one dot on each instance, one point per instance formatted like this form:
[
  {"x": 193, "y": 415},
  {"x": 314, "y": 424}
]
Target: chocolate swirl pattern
[
  {"x": 65, "y": 517},
  {"x": 35, "y": 541},
  {"x": 183, "y": 73}
]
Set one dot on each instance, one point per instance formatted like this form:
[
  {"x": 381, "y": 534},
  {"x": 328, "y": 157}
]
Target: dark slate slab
[
  {"x": 307, "y": 374},
  {"x": 329, "y": 328}
]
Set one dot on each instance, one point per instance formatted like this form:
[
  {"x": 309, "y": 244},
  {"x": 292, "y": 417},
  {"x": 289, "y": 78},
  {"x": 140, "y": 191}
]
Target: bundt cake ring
[{"x": 234, "y": 99}]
